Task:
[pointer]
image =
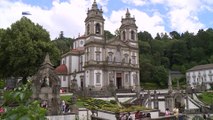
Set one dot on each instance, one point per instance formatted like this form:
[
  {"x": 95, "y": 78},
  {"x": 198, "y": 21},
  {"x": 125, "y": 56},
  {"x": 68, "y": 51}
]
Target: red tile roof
[{"x": 62, "y": 69}]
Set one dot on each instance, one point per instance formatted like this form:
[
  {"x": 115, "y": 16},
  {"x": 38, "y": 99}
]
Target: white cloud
[
  {"x": 62, "y": 16},
  {"x": 103, "y": 4},
  {"x": 152, "y": 24},
  {"x": 181, "y": 21},
  {"x": 135, "y": 2},
  {"x": 157, "y": 1},
  {"x": 183, "y": 14}
]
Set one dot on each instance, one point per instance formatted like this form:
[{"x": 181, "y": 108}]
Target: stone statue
[
  {"x": 46, "y": 87},
  {"x": 45, "y": 82}
]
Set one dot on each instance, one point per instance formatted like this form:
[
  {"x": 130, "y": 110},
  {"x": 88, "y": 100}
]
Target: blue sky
[{"x": 154, "y": 16}]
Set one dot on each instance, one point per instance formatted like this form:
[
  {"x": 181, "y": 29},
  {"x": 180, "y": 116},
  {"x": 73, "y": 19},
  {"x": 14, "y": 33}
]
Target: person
[
  {"x": 63, "y": 105},
  {"x": 138, "y": 115},
  {"x": 204, "y": 116},
  {"x": 1, "y": 110},
  {"x": 148, "y": 115},
  {"x": 44, "y": 104},
  {"x": 129, "y": 117},
  {"x": 67, "y": 108},
  {"x": 176, "y": 112},
  {"x": 123, "y": 117},
  {"x": 167, "y": 113}
]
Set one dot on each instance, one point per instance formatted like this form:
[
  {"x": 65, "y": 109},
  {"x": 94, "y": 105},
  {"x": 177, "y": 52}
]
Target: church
[{"x": 95, "y": 61}]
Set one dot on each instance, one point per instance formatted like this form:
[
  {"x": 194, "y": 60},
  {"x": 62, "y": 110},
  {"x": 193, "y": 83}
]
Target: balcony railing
[{"x": 111, "y": 63}]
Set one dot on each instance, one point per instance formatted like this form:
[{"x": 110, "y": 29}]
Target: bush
[
  {"x": 2, "y": 84},
  {"x": 113, "y": 101}
]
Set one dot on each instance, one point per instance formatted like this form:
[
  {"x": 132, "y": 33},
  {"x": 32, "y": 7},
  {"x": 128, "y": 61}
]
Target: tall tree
[
  {"x": 158, "y": 37},
  {"x": 164, "y": 36},
  {"x": 63, "y": 43},
  {"x": 160, "y": 76},
  {"x": 145, "y": 36},
  {"x": 108, "y": 34},
  {"x": 23, "y": 47},
  {"x": 174, "y": 35}
]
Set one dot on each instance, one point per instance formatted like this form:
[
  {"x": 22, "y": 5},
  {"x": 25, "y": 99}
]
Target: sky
[{"x": 153, "y": 16}]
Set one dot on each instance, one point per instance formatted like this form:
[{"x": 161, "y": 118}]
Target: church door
[
  {"x": 82, "y": 82},
  {"x": 118, "y": 80}
]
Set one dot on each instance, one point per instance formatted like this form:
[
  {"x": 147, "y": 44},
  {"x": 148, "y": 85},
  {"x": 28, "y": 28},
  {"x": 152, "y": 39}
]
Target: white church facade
[{"x": 96, "y": 61}]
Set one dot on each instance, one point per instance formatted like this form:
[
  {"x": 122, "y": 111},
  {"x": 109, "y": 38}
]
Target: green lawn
[
  {"x": 206, "y": 97},
  {"x": 67, "y": 98},
  {"x": 97, "y": 104}
]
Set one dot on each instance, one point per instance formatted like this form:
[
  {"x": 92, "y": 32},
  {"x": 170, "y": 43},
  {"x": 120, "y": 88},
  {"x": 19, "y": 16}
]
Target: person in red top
[
  {"x": 1, "y": 110},
  {"x": 167, "y": 113},
  {"x": 138, "y": 115}
]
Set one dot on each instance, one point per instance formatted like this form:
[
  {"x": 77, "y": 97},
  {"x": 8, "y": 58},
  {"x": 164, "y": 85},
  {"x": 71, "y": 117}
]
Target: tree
[
  {"x": 174, "y": 35},
  {"x": 160, "y": 75},
  {"x": 145, "y": 36},
  {"x": 117, "y": 32},
  {"x": 61, "y": 35},
  {"x": 108, "y": 34},
  {"x": 63, "y": 43},
  {"x": 158, "y": 37},
  {"x": 146, "y": 69},
  {"x": 23, "y": 48},
  {"x": 164, "y": 36}
]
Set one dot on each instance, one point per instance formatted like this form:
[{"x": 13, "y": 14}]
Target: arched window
[
  {"x": 97, "y": 28},
  {"x": 88, "y": 29},
  {"x": 124, "y": 35},
  {"x": 132, "y": 35},
  {"x": 98, "y": 78}
]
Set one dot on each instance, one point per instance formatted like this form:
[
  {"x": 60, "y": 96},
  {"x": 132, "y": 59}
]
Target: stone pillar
[
  {"x": 187, "y": 102},
  {"x": 73, "y": 107},
  {"x": 155, "y": 100},
  {"x": 169, "y": 102},
  {"x": 149, "y": 100}
]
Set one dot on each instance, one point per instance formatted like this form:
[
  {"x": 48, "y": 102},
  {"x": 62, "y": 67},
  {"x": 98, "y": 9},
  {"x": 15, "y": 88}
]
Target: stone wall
[{"x": 62, "y": 117}]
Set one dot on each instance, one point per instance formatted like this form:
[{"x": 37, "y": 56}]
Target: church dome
[{"x": 62, "y": 69}]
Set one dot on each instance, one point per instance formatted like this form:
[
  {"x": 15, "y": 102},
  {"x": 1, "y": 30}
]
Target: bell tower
[
  {"x": 94, "y": 22},
  {"x": 128, "y": 30}
]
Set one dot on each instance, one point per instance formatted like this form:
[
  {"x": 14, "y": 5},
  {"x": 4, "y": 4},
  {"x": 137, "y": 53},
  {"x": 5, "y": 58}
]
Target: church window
[
  {"x": 97, "y": 28},
  {"x": 133, "y": 59},
  {"x": 110, "y": 76},
  {"x": 87, "y": 54},
  {"x": 81, "y": 63},
  {"x": 210, "y": 76},
  {"x": 81, "y": 42},
  {"x": 135, "y": 78},
  {"x": 98, "y": 78},
  {"x": 127, "y": 78},
  {"x": 126, "y": 58},
  {"x": 132, "y": 35},
  {"x": 118, "y": 55},
  {"x": 98, "y": 56},
  {"x": 88, "y": 29},
  {"x": 110, "y": 56},
  {"x": 64, "y": 78},
  {"x": 124, "y": 35}
]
